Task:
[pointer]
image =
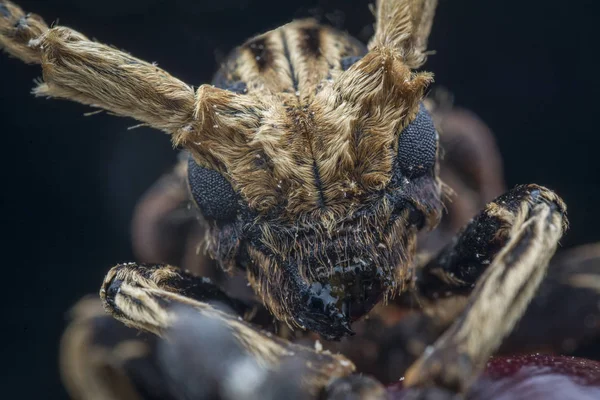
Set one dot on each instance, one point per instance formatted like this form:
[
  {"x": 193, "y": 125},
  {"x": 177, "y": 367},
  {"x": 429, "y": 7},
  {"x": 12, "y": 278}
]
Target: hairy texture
[
  {"x": 375, "y": 252},
  {"x": 95, "y": 74},
  {"x": 319, "y": 174},
  {"x": 531, "y": 219},
  {"x": 81, "y": 70},
  {"x": 145, "y": 297},
  {"x": 361, "y": 115},
  {"x": 564, "y": 316},
  {"x": 404, "y": 25},
  {"x": 293, "y": 59},
  {"x": 314, "y": 164},
  {"x": 198, "y": 358},
  {"x": 305, "y": 135},
  {"x": 17, "y": 29}
]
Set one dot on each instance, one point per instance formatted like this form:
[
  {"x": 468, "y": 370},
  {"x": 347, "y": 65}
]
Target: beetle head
[{"x": 319, "y": 202}]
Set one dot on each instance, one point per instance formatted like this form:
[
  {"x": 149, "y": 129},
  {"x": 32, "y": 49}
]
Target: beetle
[{"x": 314, "y": 166}]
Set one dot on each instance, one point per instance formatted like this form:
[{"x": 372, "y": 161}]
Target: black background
[{"x": 70, "y": 182}]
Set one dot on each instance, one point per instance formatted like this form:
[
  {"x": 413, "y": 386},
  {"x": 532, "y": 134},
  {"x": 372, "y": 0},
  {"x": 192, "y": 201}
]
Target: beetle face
[{"x": 323, "y": 246}]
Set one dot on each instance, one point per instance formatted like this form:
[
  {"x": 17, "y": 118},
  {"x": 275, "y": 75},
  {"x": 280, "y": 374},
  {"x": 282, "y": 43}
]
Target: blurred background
[{"x": 70, "y": 182}]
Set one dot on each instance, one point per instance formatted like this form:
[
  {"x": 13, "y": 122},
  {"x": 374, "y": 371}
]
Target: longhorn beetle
[{"x": 314, "y": 164}]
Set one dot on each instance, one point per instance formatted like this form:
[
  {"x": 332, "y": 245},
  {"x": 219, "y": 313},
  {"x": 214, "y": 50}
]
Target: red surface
[{"x": 533, "y": 377}]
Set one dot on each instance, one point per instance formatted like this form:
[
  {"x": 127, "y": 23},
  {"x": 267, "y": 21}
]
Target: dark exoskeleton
[{"x": 315, "y": 170}]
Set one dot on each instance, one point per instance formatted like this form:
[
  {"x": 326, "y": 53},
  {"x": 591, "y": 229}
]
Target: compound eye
[
  {"x": 212, "y": 193},
  {"x": 417, "y": 146}
]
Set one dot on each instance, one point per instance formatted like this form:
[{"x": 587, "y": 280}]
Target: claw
[{"x": 150, "y": 298}]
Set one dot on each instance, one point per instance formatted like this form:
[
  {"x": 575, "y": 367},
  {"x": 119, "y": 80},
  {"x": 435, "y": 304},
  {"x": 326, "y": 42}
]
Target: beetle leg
[
  {"x": 101, "y": 359},
  {"x": 489, "y": 273},
  {"x": 564, "y": 316},
  {"x": 160, "y": 299},
  {"x": 355, "y": 387}
]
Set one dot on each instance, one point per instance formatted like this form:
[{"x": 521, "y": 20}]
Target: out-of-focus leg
[{"x": 149, "y": 298}]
